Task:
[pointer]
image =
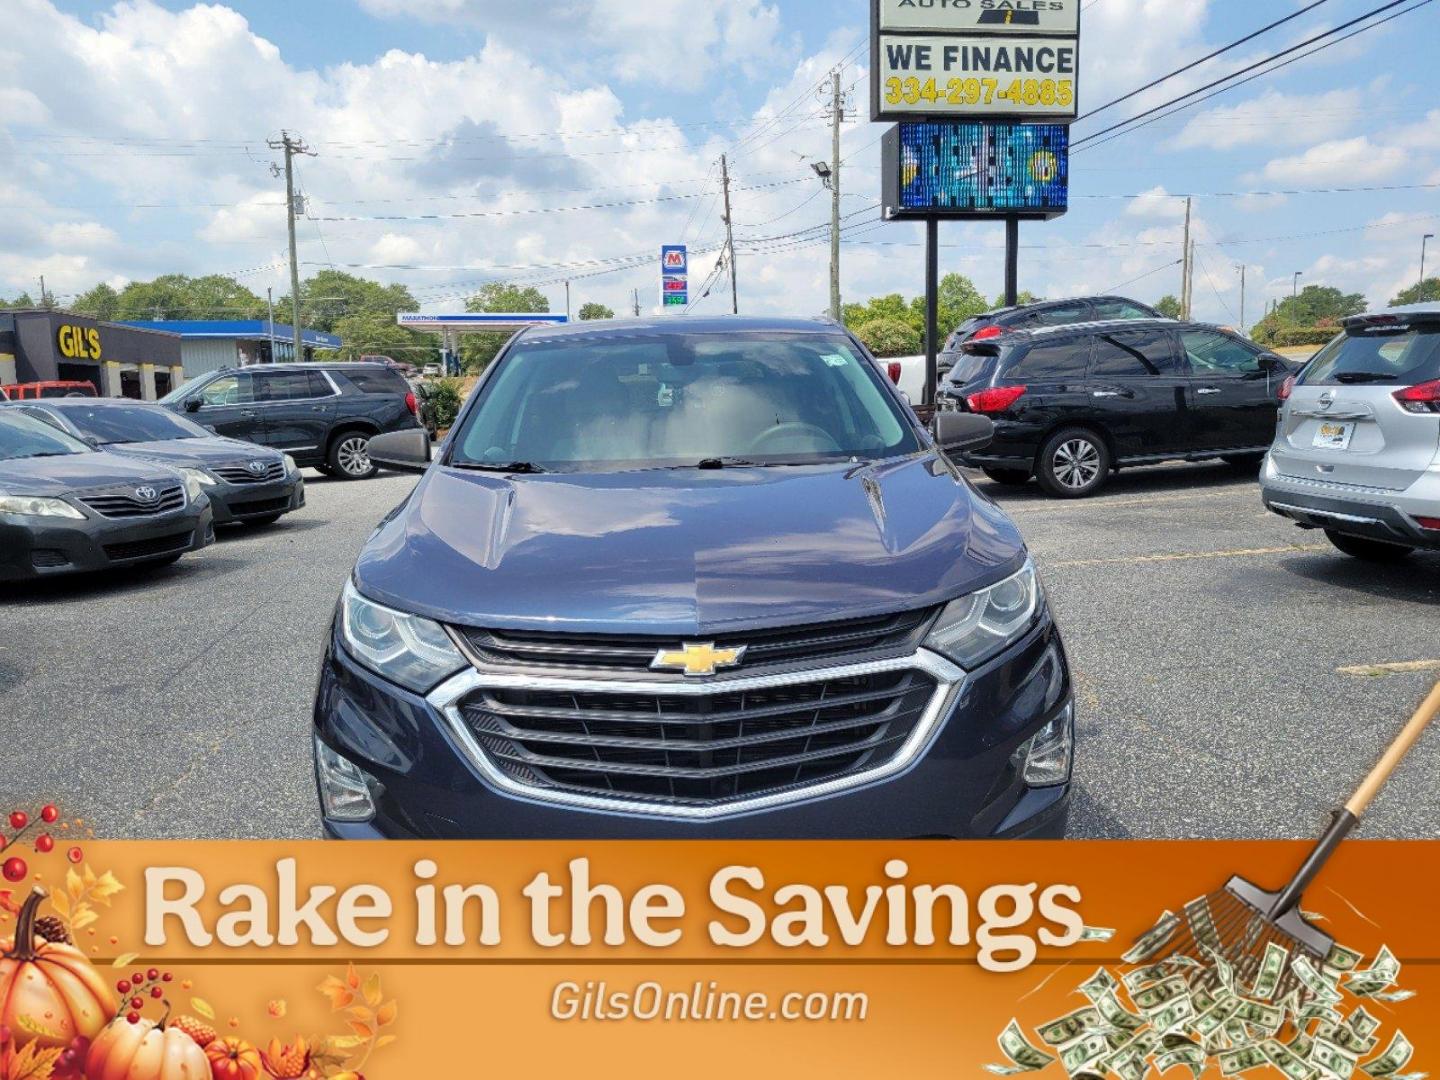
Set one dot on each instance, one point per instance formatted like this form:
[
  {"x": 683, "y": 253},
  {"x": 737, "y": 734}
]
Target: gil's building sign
[{"x": 118, "y": 360}]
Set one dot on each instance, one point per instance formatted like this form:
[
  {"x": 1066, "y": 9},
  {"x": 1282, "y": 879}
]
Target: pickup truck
[{"x": 702, "y": 578}]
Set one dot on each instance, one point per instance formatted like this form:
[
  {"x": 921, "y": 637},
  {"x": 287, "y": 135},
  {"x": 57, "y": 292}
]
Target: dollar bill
[
  {"x": 1334, "y": 1059},
  {"x": 1102, "y": 982},
  {"x": 1153, "y": 940},
  {"x": 1267, "y": 1017},
  {"x": 1162, "y": 993},
  {"x": 1343, "y": 959},
  {"x": 1190, "y": 1056},
  {"x": 1083, "y": 1052},
  {"x": 1380, "y": 975},
  {"x": 1202, "y": 923},
  {"x": 1142, "y": 976},
  {"x": 1116, "y": 1015},
  {"x": 1287, "y": 1061},
  {"x": 1391, "y": 996},
  {"x": 1213, "y": 1019},
  {"x": 1361, "y": 1022},
  {"x": 1023, "y": 1056},
  {"x": 1096, "y": 933},
  {"x": 1070, "y": 1027},
  {"x": 1223, "y": 971},
  {"x": 1313, "y": 981},
  {"x": 1173, "y": 1015},
  {"x": 1396, "y": 1056},
  {"x": 1272, "y": 966},
  {"x": 1302, "y": 1044},
  {"x": 1240, "y": 1059},
  {"x": 1346, "y": 1038}
]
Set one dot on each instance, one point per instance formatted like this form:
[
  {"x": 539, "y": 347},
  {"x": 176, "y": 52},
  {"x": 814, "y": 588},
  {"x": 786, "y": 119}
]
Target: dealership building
[
  {"x": 118, "y": 360},
  {"x": 208, "y": 345}
]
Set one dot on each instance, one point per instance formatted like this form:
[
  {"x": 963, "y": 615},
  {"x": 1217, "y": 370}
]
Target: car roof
[
  {"x": 1429, "y": 307},
  {"x": 660, "y": 326},
  {"x": 86, "y": 402},
  {"x": 1033, "y": 333},
  {"x": 1040, "y": 304}
]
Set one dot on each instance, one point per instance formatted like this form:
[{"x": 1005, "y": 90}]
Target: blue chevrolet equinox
[{"x": 692, "y": 578}]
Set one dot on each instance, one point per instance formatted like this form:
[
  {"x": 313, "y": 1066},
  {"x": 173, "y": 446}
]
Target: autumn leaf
[
  {"x": 83, "y": 917},
  {"x": 372, "y": 990},
  {"x": 203, "y": 1007},
  {"x": 340, "y": 1043},
  {"x": 33, "y": 1063},
  {"x": 365, "y": 1031},
  {"x": 352, "y": 977},
  {"x": 124, "y": 959},
  {"x": 88, "y": 876},
  {"x": 339, "y": 994},
  {"x": 383, "y": 1041},
  {"x": 73, "y": 884},
  {"x": 59, "y": 901},
  {"x": 386, "y": 1013},
  {"x": 106, "y": 887},
  {"x": 35, "y": 1027}
]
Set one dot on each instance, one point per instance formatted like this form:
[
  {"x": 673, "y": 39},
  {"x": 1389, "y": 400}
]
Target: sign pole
[
  {"x": 1012, "y": 260},
  {"x": 932, "y": 304}
]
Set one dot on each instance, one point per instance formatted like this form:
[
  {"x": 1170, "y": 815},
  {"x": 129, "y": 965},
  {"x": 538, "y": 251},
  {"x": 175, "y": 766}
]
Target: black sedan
[
  {"x": 66, "y": 507},
  {"x": 246, "y": 483}
]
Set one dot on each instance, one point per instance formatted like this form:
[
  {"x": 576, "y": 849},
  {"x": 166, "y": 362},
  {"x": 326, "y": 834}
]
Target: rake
[{"x": 1239, "y": 921}]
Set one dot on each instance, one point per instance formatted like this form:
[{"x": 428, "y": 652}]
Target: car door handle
[
  {"x": 1208, "y": 390},
  {"x": 317, "y": 408},
  {"x": 1108, "y": 393},
  {"x": 247, "y": 412}
]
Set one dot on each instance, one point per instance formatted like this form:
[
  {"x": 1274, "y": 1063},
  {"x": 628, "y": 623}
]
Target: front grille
[
  {"x": 42, "y": 558},
  {"x": 139, "y": 549},
  {"x": 697, "y": 749},
  {"x": 634, "y": 652},
  {"x": 261, "y": 506},
  {"x": 240, "y": 474},
  {"x": 130, "y": 506}
]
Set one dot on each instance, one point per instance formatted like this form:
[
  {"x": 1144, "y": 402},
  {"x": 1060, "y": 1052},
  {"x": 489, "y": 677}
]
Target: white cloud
[
  {"x": 1156, "y": 202},
  {"x": 1274, "y": 118},
  {"x": 1349, "y": 161}
]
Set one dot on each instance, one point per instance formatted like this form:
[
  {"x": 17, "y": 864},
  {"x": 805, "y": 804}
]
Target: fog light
[
  {"x": 1047, "y": 753},
  {"x": 344, "y": 792}
]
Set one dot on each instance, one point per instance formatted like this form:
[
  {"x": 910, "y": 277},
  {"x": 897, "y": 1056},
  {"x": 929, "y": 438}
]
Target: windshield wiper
[
  {"x": 499, "y": 466},
  {"x": 723, "y": 463},
  {"x": 1364, "y": 377}
]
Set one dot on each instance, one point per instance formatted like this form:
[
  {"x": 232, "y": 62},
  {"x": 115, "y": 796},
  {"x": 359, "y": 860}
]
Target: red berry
[
  {"x": 44, "y": 843},
  {"x": 138, "y": 978},
  {"x": 156, "y": 992},
  {"x": 75, "y": 854},
  {"x": 15, "y": 869},
  {"x": 19, "y": 819},
  {"x": 123, "y": 986},
  {"x": 133, "y": 1017},
  {"x": 49, "y": 812},
  {"x": 166, "y": 977},
  {"x": 137, "y": 1003},
  {"x": 152, "y": 974}
]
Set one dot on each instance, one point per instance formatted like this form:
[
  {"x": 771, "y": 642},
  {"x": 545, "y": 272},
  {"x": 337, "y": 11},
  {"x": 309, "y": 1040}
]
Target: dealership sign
[
  {"x": 674, "y": 276},
  {"x": 974, "y": 59},
  {"x": 956, "y": 170}
]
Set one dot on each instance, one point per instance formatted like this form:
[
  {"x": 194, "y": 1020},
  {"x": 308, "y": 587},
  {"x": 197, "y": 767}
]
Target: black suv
[
  {"x": 1072, "y": 403},
  {"x": 1074, "y": 309},
  {"x": 320, "y": 414}
]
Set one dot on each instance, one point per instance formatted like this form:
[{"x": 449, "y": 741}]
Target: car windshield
[
  {"x": 181, "y": 391},
  {"x": 111, "y": 424},
  {"x": 615, "y": 401},
  {"x": 1398, "y": 355},
  {"x": 23, "y": 436}
]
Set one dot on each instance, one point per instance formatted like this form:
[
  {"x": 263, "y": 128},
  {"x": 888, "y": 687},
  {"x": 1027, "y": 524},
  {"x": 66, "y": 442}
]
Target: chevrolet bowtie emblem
[{"x": 697, "y": 658}]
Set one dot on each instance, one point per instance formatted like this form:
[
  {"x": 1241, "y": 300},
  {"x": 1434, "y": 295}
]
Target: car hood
[
  {"x": 686, "y": 551},
  {"x": 193, "y": 452},
  {"x": 49, "y": 476}
]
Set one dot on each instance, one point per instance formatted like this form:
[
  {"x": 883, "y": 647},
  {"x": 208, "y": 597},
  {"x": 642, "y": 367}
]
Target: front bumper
[
  {"x": 962, "y": 784},
  {"x": 243, "y": 502},
  {"x": 32, "y": 548},
  {"x": 1372, "y": 513}
]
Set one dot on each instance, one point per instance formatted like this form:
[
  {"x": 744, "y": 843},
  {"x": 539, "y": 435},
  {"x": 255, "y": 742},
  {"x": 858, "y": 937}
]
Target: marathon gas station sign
[{"x": 975, "y": 59}]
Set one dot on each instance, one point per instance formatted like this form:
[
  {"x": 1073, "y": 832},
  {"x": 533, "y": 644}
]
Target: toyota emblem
[
  {"x": 146, "y": 494},
  {"x": 256, "y": 468}
]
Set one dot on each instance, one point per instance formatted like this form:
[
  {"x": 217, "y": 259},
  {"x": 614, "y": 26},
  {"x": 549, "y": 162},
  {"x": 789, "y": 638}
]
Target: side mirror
[
  {"x": 192, "y": 404},
  {"x": 959, "y": 431},
  {"x": 403, "y": 451}
]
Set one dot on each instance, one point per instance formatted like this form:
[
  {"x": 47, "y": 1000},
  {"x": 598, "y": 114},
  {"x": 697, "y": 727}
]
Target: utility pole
[
  {"x": 729, "y": 235},
  {"x": 1419, "y": 296},
  {"x": 567, "y": 301},
  {"x": 837, "y": 114},
  {"x": 45, "y": 304},
  {"x": 270, "y": 309},
  {"x": 1241, "y": 268},
  {"x": 1185, "y": 266},
  {"x": 291, "y": 147},
  {"x": 637, "y": 302}
]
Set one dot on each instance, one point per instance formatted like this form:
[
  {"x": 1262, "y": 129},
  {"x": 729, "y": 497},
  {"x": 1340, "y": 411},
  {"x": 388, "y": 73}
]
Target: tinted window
[
  {"x": 75, "y": 390},
  {"x": 1127, "y": 353},
  {"x": 1210, "y": 353},
  {"x": 131, "y": 423},
  {"x": 1060, "y": 315},
  {"x": 291, "y": 385},
  {"x": 26, "y": 437},
  {"x": 228, "y": 390},
  {"x": 1403, "y": 355},
  {"x": 967, "y": 366},
  {"x": 1121, "y": 309},
  {"x": 610, "y": 401},
  {"x": 377, "y": 381},
  {"x": 1052, "y": 360}
]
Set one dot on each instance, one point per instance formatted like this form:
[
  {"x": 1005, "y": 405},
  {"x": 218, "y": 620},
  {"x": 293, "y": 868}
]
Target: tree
[
  {"x": 1024, "y": 296},
  {"x": 889, "y": 337},
  {"x": 176, "y": 296},
  {"x": 331, "y": 295},
  {"x": 373, "y": 333},
  {"x": 1318, "y": 304},
  {"x": 477, "y": 350},
  {"x": 101, "y": 302},
  {"x": 20, "y": 303},
  {"x": 595, "y": 311},
  {"x": 1168, "y": 306},
  {"x": 1419, "y": 293}
]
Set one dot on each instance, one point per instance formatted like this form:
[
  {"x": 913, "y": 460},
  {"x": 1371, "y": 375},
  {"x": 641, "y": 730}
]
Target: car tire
[
  {"x": 1008, "y": 477},
  {"x": 1361, "y": 547},
  {"x": 1073, "y": 463},
  {"x": 348, "y": 457},
  {"x": 261, "y": 522}
]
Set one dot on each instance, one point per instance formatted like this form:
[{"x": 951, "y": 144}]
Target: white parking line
[
  {"x": 1397, "y": 668},
  {"x": 1180, "y": 556},
  {"x": 1103, "y": 504}
]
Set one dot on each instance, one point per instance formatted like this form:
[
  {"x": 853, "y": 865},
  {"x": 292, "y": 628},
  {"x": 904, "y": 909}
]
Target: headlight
[
  {"x": 196, "y": 481},
  {"x": 1044, "y": 758},
  {"x": 290, "y": 467},
  {"x": 973, "y": 628},
  {"x": 409, "y": 650},
  {"x": 33, "y": 506}
]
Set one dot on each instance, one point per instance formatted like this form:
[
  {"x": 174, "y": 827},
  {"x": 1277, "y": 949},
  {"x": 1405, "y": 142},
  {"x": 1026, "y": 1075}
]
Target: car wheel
[
  {"x": 1073, "y": 463},
  {"x": 349, "y": 456},
  {"x": 1009, "y": 477},
  {"x": 1369, "y": 550},
  {"x": 267, "y": 519}
]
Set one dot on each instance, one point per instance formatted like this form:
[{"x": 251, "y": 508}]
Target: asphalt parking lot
[{"x": 1236, "y": 676}]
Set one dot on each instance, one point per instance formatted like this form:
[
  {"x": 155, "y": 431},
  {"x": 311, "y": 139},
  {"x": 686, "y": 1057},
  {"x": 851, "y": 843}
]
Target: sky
[{"x": 457, "y": 142}]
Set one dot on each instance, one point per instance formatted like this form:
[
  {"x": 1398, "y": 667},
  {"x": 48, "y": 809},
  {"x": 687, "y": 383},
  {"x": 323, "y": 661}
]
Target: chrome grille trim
[
  {"x": 126, "y": 505},
  {"x": 448, "y": 697},
  {"x": 240, "y": 474}
]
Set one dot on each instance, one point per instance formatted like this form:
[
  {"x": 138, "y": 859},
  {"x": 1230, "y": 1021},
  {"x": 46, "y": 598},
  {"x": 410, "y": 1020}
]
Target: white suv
[{"x": 1357, "y": 450}]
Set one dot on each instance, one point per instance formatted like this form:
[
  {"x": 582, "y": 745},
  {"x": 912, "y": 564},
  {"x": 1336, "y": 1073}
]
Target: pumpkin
[
  {"x": 233, "y": 1059},
  {"x": 145, "y": 1051},
  {"x": 49, "y": 993}
]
